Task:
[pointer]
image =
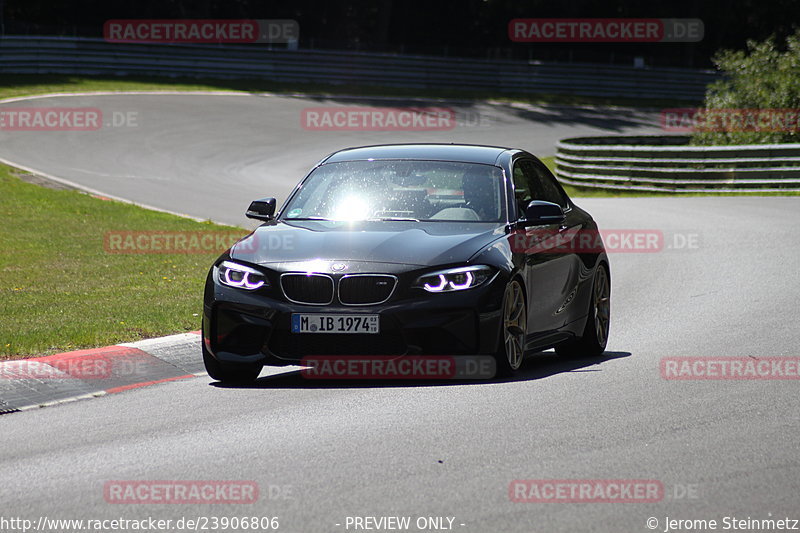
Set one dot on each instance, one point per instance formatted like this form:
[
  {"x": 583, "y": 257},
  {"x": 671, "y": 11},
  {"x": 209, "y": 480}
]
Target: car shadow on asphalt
[{"x": 536, "y": 366}]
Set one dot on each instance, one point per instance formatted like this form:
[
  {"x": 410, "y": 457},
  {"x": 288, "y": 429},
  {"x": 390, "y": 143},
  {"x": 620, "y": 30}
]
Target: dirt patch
[{"x": 41, "y": 180}]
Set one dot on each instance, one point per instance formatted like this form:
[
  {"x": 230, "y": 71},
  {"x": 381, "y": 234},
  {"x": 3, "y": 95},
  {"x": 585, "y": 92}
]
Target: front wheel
[
  {"x": 514, "y": 330},
  {"x": 237, "y": 373},
  {"x": 595, "y": 335}
]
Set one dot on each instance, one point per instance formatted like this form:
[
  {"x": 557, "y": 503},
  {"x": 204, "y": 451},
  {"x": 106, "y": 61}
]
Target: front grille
[
  {"x": 312, "y": 289},
  {"x": 365, "y": 289}
]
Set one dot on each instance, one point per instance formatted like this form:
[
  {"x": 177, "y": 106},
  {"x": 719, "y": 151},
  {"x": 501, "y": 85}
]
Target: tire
[
  {"x": 513, "y": 330},
  {"x": 595, "y": 335},
  {"x": 235, "y": 373}
]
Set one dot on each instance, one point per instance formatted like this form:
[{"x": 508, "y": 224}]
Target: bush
[{"x": 764, "y": 77}]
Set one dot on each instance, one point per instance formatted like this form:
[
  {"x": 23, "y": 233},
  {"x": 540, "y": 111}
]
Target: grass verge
[{"x": 62, "y": 290}]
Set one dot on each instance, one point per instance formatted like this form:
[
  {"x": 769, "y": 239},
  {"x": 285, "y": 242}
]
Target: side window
[
  {"x": 550, "y": 190},
  {"x": 531, "y": 182},
  {"x": 522, "y": 187}
]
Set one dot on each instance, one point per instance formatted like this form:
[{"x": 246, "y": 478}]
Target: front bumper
[{"x": 244, "y": 327}]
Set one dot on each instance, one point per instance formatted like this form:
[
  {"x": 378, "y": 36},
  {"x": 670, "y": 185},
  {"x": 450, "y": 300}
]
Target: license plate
[{"x": 308, "y": 323}]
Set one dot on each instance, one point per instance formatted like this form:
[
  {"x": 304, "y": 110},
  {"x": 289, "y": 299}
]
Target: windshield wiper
[{"x": 393, "y": 219}]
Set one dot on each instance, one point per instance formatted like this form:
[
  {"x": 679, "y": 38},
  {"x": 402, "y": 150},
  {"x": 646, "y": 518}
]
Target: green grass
[
  {"x": 30, "y": 84},
  {"x": 59, "y": 288}
]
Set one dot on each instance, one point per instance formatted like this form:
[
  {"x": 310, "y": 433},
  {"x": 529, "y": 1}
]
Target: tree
[{"x": 760, "y": 94}]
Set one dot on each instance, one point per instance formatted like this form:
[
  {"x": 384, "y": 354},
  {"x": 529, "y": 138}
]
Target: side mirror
[
  {"x": 263, "y": 209},
  {"x": 540, "y": 213}
]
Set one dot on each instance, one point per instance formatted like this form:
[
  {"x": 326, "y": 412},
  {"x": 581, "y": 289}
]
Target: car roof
[{"x": 466, "y": 153}]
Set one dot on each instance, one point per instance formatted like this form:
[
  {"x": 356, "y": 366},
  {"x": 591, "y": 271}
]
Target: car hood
[{"x": 413, "y": 243}]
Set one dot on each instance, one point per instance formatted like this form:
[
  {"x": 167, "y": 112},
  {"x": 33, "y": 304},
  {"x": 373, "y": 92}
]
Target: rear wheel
[
  {"x": 595, "y": 335},
  {"x": 514, "y": 329},
  {"x": 239, "y": 373}
]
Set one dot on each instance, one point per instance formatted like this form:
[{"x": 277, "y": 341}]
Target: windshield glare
[{"x": 401, "y": 190}]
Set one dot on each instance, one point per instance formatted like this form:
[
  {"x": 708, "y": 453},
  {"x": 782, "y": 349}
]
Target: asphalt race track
[
  {"x": 723, "y": 283},
  {"x": 209, "y": 155}
]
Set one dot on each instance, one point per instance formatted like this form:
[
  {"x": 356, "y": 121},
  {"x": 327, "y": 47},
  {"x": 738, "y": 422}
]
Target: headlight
[
  {"x": 454, "y": 279},
  {"x": 240, "y": 276}
]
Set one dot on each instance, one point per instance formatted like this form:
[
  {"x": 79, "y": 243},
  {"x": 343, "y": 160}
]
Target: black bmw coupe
[{"x": 416, "y": 249}]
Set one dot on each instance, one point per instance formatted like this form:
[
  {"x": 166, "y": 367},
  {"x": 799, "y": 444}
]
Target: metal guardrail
[
  {"x": 58, "y": 55},
  {"x": 669, "y": 164}
]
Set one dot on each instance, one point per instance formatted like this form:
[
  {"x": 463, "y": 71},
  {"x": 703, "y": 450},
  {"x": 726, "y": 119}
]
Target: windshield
[{"x": 401, "y": 190}]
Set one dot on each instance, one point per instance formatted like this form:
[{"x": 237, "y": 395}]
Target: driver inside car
[{"x": 480, "y": 190}]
